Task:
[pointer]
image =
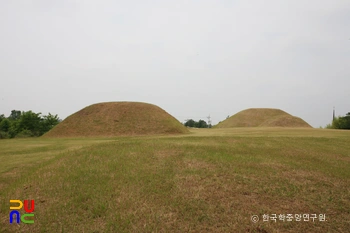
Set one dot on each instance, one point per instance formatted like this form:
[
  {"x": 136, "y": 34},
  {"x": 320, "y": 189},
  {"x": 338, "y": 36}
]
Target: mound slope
[
  {"x": 118, "y": 119},
  {"x": 263, "y": 117}
]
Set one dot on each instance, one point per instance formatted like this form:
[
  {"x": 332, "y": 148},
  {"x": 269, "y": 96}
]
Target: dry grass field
[{"x": 211, "y": 180}]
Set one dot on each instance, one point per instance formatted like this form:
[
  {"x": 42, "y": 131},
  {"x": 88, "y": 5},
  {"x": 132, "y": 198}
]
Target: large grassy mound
[
  {"x": 263, "y": 117},
  {"x": 118, "y": 119}
]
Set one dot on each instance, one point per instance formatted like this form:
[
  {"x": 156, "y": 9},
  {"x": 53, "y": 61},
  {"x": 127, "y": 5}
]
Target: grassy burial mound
[
  {"x": 118, "y": 119},
  {"x": 263, "y": 117}
]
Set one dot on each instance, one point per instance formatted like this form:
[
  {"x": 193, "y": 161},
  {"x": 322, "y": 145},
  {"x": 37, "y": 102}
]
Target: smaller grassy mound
[
  {"x": 118, "y": 119},
  {"x": 263, "y": 117}
]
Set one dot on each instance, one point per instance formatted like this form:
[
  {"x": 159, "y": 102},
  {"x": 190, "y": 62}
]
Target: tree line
[
  {"x": 26, "y": 124},
  {"x": 197, "y": 124},
  {"x": 341, "y": 122}
]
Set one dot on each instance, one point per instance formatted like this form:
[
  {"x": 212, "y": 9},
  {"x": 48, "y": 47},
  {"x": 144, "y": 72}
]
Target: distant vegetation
[
  {"x": 26, "y": 124},
  {"x": 340, "y": 122},
  {"x": 197, "y": 124}
]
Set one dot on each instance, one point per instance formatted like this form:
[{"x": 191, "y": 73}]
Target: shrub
[
  {"x": 25, "y": 134},
  {"x": 4, "y": 135}
]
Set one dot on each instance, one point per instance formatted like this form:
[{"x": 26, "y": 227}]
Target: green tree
[
  {"x": 202, "y": 124},
  {"x": 344, "y": 121},
  {"x": 190, "y": 123},
  {"x": 48, "y": 122},
  {"x": 340, "y": 122},
  {"x": 15, "y": 115},
  {"x": 5, "y": 125},
  {"x": 26, "y": 124},
  {"x": 196, "y": 124},
  {"x": 2, "y": 117},
  {"x": 14, "y": 129},
  {"x": 30, "y": 121}
]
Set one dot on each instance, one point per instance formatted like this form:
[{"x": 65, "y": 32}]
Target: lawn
[{"x": 213, "y": 180}]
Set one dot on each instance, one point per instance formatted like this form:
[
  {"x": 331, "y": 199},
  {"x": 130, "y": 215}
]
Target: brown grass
[
  {"x": 118, "y": 119},
  {"x": 263, "y": 117}
]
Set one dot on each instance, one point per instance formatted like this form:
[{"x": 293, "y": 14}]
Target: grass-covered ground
[{"x": 209, "y": 181}]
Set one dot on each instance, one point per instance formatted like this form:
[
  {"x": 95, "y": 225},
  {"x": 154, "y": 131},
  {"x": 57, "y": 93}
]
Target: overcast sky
[{"x": 190, "y": 57}]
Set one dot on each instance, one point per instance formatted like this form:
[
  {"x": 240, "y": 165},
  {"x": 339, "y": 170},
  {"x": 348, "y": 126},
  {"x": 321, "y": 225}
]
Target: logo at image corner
[{"x": 14, "y": 213}]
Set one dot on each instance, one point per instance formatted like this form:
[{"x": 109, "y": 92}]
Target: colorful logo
[{"x": 16, "y": 213}]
